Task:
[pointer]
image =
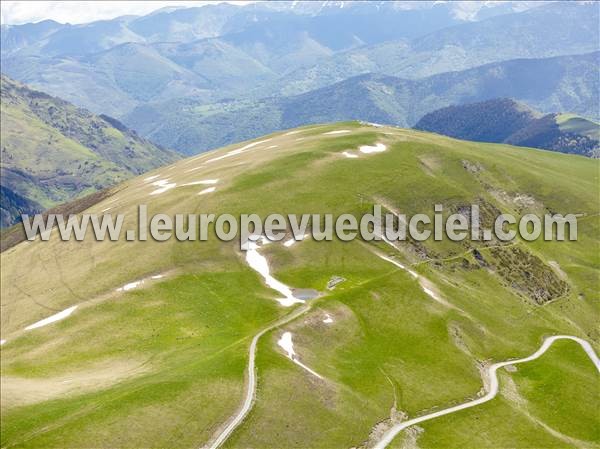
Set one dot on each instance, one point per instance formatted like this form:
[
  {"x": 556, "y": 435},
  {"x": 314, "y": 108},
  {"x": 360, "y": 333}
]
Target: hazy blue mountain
[
  {"x": 334, "y": 24},
  {"x": 507, "y": 121},
  {"x": 217, "y": 61},
  {"x": 222, "y": 51},
  {"x": 184, "y": 24},
  {"x": 565, "y": 83},
  {"x": 144, "y": 74},
  {"x": 15, "y": 37},
  {"x": 73, "y": 80},
  {"x": 205, "y": 58},
  {"x": 89, "y": 38},
  {"x": 554, "y": 29}
]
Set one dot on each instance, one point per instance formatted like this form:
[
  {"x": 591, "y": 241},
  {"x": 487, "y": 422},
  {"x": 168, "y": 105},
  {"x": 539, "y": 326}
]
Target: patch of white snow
[
  {"x": 259, "y": 264},
  {"x": 51, "y": 319},
  {"x": 201, "y": 182},
  {"x": 292, "y": 241},
  {"x": 377, "y": 148},
  {"x": 207, "y": 190},
  {"x": 287, "y": 344},
  {"x": 130, "y": 286},
  {"x": 339, "y": 131},
  {"x": 237, "y": 151},
  {"x": 163, "y": 185}
]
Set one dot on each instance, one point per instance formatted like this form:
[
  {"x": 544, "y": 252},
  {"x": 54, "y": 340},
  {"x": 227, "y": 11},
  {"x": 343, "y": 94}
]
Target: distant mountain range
[
  {"x": 194, "y": 79},
  {"x": 565, "y": 83},
  {"x": 507, "y": 121},
  {"x": 53, "y": 151},
  {"x": 219, "y": 52}
]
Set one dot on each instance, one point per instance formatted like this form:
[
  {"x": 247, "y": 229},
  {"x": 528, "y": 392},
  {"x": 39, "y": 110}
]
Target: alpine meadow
[{"x": 452, "y": 118}]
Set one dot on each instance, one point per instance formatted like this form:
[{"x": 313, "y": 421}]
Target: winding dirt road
[
  {"x": 493, "y": 388},
  {"x": 236, "y": 420}
]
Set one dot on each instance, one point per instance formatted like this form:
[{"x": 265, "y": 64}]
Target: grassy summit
[{"x": 163, "y": 364}]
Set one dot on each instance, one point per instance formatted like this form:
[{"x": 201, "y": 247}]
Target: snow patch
[
  {"x": 201, "y": 182},
  {"x": 2, "y": 342},
  {"x": 286, "y": 343},
  {"x": 377, "y": 148},
  {"x": 350, "y": 155},
  {"x": 375, "y": 125},
  {"x": 150, "y": 178},
  {"x": 163, "y": 185},
  {"x": 339, "y": 131},
  {"x": 130, "y": 286},
  {"x": 237, "y": 151},
  {"x": 138, "y": 283},
  {"x": 259, "y": 263},
  {"x": 292, "y": 241},
  {"x": 51, "y": 319},
  {"x": 328, "y": 319},
  {"x": 207, "y": 190}
]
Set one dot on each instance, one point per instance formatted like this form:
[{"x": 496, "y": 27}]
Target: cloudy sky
[{"x": 16, "y": 12}]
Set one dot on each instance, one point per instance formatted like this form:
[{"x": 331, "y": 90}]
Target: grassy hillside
[
  {"x": 53, "y": 151},
  {"x": 508, "y": 121},
  {"x": 163, "y": 365}
]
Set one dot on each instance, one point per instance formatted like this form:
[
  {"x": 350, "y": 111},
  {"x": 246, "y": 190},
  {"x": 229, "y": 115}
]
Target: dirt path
[
  {"x": 493, "y": 387},
  {"x": 239, "y": 416}
]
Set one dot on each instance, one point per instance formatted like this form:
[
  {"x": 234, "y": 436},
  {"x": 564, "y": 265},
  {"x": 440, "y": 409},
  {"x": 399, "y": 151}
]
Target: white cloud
[{"x": 17, "y": 12}]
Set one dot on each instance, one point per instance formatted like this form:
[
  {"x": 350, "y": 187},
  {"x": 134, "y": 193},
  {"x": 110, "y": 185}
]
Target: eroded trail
[{"x": 387, "y": 438}]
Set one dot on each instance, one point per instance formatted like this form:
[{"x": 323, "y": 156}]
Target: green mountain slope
[
  {"x": 566, "y": 83},
  {"x": 167, "y": 355},
  {"x": 53, "y": 151},
  {"x": 508, "y": 121}
]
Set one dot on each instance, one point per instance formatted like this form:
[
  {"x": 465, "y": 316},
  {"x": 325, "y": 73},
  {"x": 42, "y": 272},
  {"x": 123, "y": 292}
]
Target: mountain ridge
[
  {"x": 568, "y": 83},
  {"x": 507, "y": 121},
  {"x": 53, "y": 151},
  {"x": 283, "y": 52}
]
